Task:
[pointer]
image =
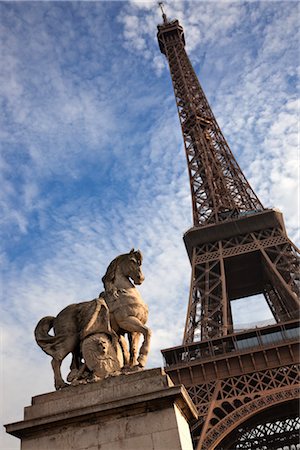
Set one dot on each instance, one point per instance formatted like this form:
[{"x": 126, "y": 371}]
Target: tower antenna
[{"x": 161, "y": 5}]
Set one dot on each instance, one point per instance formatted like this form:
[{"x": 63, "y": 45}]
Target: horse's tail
[{"x": 47, "y": 342}]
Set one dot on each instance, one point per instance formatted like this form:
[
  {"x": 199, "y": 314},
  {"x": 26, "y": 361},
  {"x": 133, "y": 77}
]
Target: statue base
[{"x": 142, "y": 410}]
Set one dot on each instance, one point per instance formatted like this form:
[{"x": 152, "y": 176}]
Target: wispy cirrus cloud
[{"x": 92, "y": 161}]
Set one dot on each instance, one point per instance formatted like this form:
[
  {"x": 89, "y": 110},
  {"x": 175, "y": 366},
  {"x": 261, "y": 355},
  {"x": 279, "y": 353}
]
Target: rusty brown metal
[
  {"x": 237, "y": 248},
  {"x": 237, "y": 377},
  {"x": 219, "y": 188}
]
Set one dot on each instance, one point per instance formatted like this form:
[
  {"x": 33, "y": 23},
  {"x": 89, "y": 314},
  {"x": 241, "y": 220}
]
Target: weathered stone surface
[
  {"x": 111, "y": 390},
  {"x": 141, "y": 410},
  {"x": 119, "y": 309}
]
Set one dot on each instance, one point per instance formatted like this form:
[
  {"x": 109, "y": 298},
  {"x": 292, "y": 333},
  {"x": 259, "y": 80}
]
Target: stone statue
[
  {"x": 101, "y": 356},
  {"x": 128, "y": 312},
  {"x": 93, "y": 331},
  {"x": 100, "y": 349}
]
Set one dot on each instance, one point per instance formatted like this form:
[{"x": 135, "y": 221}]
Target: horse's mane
[{"x": 109, "y": 277}]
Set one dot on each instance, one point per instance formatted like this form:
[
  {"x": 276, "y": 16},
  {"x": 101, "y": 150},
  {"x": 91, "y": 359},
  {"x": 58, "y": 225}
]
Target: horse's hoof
[
  {"x": 131, "y": 369},
  {"x": 142, "y": 361},
  {"x": 94, "y": 379},
  {"x": 72, "y": 375},
  {"x": 77, "y": 382},
  {"x": 61, "y": 386}
]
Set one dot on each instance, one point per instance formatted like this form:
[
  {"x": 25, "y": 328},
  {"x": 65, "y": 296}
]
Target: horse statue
[{"x": 127, "y": 314}]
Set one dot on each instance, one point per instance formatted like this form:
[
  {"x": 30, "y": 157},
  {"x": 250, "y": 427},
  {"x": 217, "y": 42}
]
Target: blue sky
[{"x": 92, "y": 160}]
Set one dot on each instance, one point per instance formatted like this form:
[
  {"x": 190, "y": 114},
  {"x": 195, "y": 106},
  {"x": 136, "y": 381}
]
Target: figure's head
[
  {"x": 135, "y": 266},
  {"x": 103, "y": 344}
]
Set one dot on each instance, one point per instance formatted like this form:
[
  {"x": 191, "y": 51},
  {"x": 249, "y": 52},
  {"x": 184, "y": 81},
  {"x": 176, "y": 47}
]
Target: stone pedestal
[{"x": 139, "y": 411}]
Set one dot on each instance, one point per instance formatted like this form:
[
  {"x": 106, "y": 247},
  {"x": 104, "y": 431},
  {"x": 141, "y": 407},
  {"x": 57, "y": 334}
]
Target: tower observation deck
[{"x": 237, "y": 248}]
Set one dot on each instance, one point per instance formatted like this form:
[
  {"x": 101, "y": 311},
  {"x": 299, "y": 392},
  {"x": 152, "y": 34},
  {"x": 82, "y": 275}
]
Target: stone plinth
[{"x": 142, "y": 411}]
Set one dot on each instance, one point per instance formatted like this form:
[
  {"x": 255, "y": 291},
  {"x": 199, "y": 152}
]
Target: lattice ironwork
[
  {"x": 221, "y": 194},
  {"x": 237, "y": 249},
  {"x": 253, "y": 407},
  {"x": 228, "y": 402},
  {"x": 208, "y": 304},
  {"x": 219, "y": 188},
  {"x": 281, "y": 434},
  {"x": 278, "y": 279}
]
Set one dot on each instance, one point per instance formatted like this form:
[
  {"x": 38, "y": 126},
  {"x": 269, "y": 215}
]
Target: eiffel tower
[{"x": 244, "y": 384}]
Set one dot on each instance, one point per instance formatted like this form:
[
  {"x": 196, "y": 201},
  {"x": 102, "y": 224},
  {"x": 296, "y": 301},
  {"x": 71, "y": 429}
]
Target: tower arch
[{"x": 278, "y": 423}]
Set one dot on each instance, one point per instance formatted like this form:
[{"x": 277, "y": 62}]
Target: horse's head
[
  {"x": 128, "y": 265},
  {"x": 134, "y": 266}
]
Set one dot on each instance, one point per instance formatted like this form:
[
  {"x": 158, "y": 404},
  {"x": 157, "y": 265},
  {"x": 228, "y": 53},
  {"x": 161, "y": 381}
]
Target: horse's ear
[
  {"x": 139, "y": 255},
  {"x": 132, "y": 255}
]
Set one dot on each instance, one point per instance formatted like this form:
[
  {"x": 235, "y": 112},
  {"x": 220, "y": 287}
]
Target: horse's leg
[
  {"x": 76, "y": 359},
  {"x": 75, "y": 365},
  {"x": 129, "y": 337},
  {"x": 58, "y": 381},
  {"x": 144, "y": 350},
  {"x": 124, "y": 347},
  {"x": 134, "y": 339},
  {"x": 132, "y": 324},
  {"x": 70, "y": 345}
]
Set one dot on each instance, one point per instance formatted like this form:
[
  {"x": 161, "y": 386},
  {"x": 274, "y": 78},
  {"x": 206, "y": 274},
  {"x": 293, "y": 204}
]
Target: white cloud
[{"x": 93, "y": 161}]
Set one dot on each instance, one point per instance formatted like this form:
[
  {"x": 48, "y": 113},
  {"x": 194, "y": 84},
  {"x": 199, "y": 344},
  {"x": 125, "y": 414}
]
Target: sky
[{"x": 92, "y": 160}]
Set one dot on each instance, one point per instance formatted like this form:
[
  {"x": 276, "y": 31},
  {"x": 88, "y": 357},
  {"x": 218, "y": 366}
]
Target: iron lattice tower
[{"x": 237, "y": 249}]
